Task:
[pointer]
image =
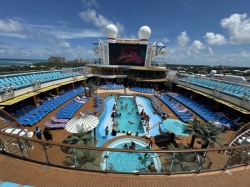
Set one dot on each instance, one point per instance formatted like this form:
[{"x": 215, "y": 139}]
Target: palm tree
[
  {"x": 211, "y": 134},
  {"x": 168, "y": 84},
  {"x": 90, "y": 84},
  {"x": 182, "y": 161},
  {"x": 207, "y": 132},
  {"x": 85, "y": 159},
  {"x": 194, "y": 128},
  {"x": 83, "y": 137}
]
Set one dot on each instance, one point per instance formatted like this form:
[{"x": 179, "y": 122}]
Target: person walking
[
  {"x": 38, "y": 133},
  {"x": 47, "y": 135},
  {"x": 151, "y": 141},
  {"x": 106, "y": 132}
]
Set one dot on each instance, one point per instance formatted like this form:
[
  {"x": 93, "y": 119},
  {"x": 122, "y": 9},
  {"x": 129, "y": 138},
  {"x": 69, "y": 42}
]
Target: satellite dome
[
  {"x": 111, "y": 31},
  {"x": 213, "y": 72},
  {"x": 144, "y": 33}
]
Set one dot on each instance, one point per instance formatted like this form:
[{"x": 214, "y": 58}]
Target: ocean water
[{"x": 18, "y": 62}]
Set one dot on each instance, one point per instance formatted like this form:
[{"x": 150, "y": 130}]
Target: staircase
[
  {"x": 239, "y": 156},
  {"x": 155, "y": 125},
  {"x": 8, "y": 143}
]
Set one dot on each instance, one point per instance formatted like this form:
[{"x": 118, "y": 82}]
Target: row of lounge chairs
[
  {"x": 112, "y": 87},
  {"x": 227, "y": 88},
  {"x": 68, "y": 111},
  {"x": 184, "y": 115},
  {"x": 159, "y": 110},
  {"x": 203, "y": 112},
  {"x": 143, "y": 90},
  {"x": 35, "y": 115},
  {"x": 20, "y": 81},
  {"x": 56, "y": 123}
]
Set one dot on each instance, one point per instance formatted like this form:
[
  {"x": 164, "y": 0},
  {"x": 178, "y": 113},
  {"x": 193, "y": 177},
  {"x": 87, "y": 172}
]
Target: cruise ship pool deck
[{"x": 36, "y": 173}]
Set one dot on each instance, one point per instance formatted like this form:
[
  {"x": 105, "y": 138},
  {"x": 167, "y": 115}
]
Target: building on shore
[
  {"x": 57, "y": 59},
  {"x": 80, "y": 60}
]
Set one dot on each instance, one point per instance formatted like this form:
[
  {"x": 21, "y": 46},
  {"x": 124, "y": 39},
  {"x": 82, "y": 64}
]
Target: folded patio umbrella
[
  {"x": 175, "y": 126},
  {"x": 82, "y": 123}
]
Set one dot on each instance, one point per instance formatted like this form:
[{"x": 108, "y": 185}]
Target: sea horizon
[{"x": 18, "y": 62}]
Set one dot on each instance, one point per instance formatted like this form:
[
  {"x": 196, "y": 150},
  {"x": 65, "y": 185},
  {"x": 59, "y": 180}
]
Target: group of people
[
  {"x": 144, "y": 116},
  {"x": 46, "y": 133},
  {"x": 130, "y": 147}
]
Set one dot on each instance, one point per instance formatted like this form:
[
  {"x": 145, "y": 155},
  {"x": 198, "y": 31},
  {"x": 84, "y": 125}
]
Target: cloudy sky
[{"x": 195, "y": 32}]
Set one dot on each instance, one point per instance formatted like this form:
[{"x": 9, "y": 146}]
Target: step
[{"x": 5, "y": 125}]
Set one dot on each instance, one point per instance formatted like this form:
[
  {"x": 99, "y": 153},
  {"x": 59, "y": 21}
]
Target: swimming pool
[
  {"x": 106, "y": 120},
  {"x": 129, "y": 162},
  {"x": 128, "y": 115}
]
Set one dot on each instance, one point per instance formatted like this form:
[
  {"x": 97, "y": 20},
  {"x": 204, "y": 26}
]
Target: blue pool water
[
  {"x": 123, "y": 120},
  {"x": 106, "y": 120},
  {"x": 128, "y": 162}
]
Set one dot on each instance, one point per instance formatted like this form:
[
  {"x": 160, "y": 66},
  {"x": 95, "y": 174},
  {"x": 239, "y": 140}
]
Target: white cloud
[
  {"x": 50, "y": 49},
  {"x": 15, "y": 35},
  {"x": 245, "y": 54},
  {"x": 183, "y": 39},
  {"x": 77, "y": 34},
  {"x": 238, "y": 26},
  {"x": 10, "y": 25},
  {"x": 210, "y": 51},
  {"x": 89, "y": 3},
  {"x": 160, "y": 44},
  {"x": 166, "y": 40},
  {"x": 46, "y": 37},
  {"x": 100, "y": 21},
  {"x": 171, "y": 50},
  {"x": 197, "y": 46},
  {"x": 13, "y": 28},
  {"x": 80, "y": 50},
  {"x": 215, "y": 39}
]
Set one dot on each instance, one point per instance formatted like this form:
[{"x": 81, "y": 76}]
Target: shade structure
[
  {"x": 82, "y": 123},
  {"x": 175, "y": 126}
]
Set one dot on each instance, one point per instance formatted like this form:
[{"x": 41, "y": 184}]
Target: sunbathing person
[
  {"x": 126, "y": 146},
  {"x": 132, "y": 145},
  {"x": 130, "y": 122}
]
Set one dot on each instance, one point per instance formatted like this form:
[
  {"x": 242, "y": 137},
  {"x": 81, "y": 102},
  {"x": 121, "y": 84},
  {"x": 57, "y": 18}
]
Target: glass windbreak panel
[
  {"x": 11, "y": 145},
  {"x": 59, "y": 155},
  {"x": 151, "y": 163},
  {"x": 123, "y": 161},
  {"x": 214, "y": 160},
  {"x": 168, "y": 164},
  {"x": 181, "y": 162},
  {"x": 36, "y": 151},
  {"x": 87, "y": 159},
  {"x": 239, "y": 157}
]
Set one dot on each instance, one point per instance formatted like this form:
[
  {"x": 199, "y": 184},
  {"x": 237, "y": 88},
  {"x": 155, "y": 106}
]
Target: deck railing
[{"x": 99, "y": 158}]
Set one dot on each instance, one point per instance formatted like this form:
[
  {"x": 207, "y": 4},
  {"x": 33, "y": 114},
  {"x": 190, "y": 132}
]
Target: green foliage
[
  {"x": 182, "y": 161},
  {"x": 90, "y": 84},
  {"x": 39, "y": 66},
  {"x": 168, "y": 84},
  {"x": 211, "y": 134},
  {"x": 85, "y": 159},
  {"x": 194, "y": 128},
  {"x": 208, "y": 133}
]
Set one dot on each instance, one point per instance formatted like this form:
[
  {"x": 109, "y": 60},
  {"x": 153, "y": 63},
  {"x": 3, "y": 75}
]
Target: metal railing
[{"x": 102, "y": 159}]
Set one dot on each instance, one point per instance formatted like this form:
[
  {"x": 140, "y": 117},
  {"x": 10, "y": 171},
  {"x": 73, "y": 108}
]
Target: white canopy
[{"x": 82, "y": 123}]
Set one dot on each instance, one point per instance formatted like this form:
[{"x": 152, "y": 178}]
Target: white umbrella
[{"x": 82, "y": 123}]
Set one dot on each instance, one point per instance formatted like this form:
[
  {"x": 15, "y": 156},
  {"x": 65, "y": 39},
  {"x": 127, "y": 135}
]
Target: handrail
[
  {"x": 236, "y": 133},
  {"x": 126, "y": 150},
  {"x": 13, "y": 118}
]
